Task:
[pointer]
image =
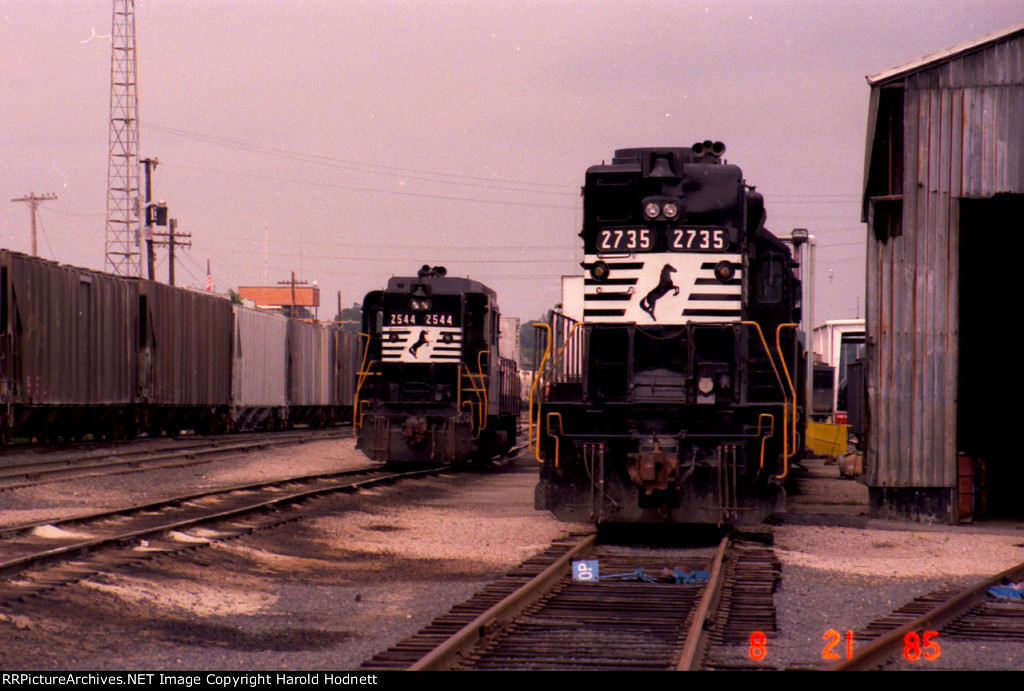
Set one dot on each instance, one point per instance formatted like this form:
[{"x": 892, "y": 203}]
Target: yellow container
[{"x": 825, "y": 439}]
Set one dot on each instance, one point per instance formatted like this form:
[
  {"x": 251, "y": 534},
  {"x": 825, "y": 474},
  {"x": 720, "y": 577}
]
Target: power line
[
  {"x": 372, "y": 190},
  {"x": 375, "y": 168}
]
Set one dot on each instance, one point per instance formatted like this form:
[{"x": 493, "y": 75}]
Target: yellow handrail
[
  {"x": 785, "y": 400},
  {"x": 535, "y": 448},
  {"x": 789, "y": 380},
  {"x": 476, "y": 435},
  {"x": 363, "y": 372},
  {"x": 462, "y": 404},
  {"x": 568, "y": 339},
  {"x": 771, "y": 433},
  {"x": 483, "y": 383},
  {"x": 554, "y": 364},
  {"x": 554, "y": 436}
]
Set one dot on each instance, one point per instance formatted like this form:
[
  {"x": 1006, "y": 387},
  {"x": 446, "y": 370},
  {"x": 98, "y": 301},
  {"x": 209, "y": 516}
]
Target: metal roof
[{"x": 928, "y": 60}]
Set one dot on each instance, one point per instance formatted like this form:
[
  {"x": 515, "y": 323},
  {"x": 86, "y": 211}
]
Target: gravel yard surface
[
  {"x": 366, "y": 570},
  {"x": 78, "y": 497},
  {"x": 847, "y": 571}
]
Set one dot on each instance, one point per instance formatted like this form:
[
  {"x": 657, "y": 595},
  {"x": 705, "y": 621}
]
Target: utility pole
[
  {"x": 293, "y": 283},
  {"x": 155, "y": 214},
  {"x": 172, "y": 241},
  {"x": 33, "y": 203},
  {"x": 122, "y": 234}
]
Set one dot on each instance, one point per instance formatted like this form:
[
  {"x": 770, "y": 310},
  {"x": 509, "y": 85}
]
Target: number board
[
  {"x": 420, "y": 319},
  {"x": 611, "y": 240},
  {"x": 698, "y": 239},
  {"x": 625, "y": 240}
]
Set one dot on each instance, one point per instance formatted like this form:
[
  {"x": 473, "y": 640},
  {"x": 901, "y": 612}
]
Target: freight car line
[
  {"x": 33, "y": 546},
  {"x": 537, "y": 618},
  {"x": 87, "y": 353},
  {"x": 953, "y": 614},
  {"x": 131, "y": 458}
]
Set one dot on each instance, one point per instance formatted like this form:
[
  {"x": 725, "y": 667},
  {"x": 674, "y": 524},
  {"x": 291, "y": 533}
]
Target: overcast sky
[{"x": 352, "y": 141}]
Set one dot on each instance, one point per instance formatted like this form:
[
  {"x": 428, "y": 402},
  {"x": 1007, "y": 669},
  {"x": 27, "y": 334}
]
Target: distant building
[
  {"x": 836, "y": 343},
  {"x": 943, "y": 199},
  {"x": 303, "y": 300}
]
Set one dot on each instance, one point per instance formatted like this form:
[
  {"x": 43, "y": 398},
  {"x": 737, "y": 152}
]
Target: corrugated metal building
[{"x": 944, "y": 203}]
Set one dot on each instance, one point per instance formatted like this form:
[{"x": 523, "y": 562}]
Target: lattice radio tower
[{"x": 123, "y": 256}]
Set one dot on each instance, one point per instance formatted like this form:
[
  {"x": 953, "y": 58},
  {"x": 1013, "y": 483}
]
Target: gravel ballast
[{"x": 365, "y": 571}]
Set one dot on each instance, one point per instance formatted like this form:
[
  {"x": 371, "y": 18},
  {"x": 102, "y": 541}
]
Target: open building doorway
[{"x": 989, "y": 359}]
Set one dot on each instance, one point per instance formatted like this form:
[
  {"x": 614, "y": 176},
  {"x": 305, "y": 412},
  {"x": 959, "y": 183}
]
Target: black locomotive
[
  {"x": 433, "y": 387},
  {"x": 675, "y": 398}
]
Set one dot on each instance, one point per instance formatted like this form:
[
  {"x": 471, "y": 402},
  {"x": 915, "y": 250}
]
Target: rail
[
  {"x": 697, "y": 637},
  {"x": 20, "y": 550},
  {"x": 466, "y": 638},
  {"x": 891, "y": 644}
]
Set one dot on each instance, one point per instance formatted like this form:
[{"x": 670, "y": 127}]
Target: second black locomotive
[{"x": 433, "y": 387}]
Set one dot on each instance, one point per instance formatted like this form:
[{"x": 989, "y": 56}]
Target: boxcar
[
  {"x": 309, "y": 373},
  {"x": 67, "y": 356},
  {"x": 347, "y": 354},
  {"x": 184, "y": 358},
  {"x": 259, "y": 369}
]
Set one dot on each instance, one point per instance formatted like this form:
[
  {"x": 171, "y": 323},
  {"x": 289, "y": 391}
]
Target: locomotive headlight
[
  {"x": 706, "y": 385},
  {"x": 599, "y": 270},
  {"x": 652, "y": 210},
  {"x": 724, "y": 271},
  {"x": 671, "y": 210}
]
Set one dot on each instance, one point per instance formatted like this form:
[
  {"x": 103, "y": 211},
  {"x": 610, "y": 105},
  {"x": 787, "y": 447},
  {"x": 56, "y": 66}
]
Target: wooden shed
[{"x": 944, "y": 204}]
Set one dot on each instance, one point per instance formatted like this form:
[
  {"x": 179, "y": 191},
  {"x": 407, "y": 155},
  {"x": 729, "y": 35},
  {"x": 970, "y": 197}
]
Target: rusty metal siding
[
  {"x": 259, "y": 359},
  {"x": 187, "y": 358},
  {"x": 963, "y": 137},
  {"x": 912, "y": 297},
  {"x": 68, "y": 336},
  {"x": 989, "y": 84}
]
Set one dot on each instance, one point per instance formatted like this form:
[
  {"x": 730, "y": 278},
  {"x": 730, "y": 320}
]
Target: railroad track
[
  {"x": 98, "y": 460},
  {"x": 915, "y": 634},
  {"x": 539, "y": 618},
  {"x": 40, "y": 556}
]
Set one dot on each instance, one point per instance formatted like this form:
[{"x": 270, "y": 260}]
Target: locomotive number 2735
[
  {"x": 622, "y": 239},
  {"x": 698, "y": 239}
]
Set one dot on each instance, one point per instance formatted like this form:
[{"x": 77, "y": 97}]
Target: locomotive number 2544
[{"x": 420, "y": 319}]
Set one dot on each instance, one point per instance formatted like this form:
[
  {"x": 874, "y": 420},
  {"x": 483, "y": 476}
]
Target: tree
[
  {"x": 351, "y": 318},
  {"x": 529, "y": 336}
]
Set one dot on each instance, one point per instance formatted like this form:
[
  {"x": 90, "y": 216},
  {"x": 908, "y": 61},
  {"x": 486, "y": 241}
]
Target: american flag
[{"x": 209, "y": 278}]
